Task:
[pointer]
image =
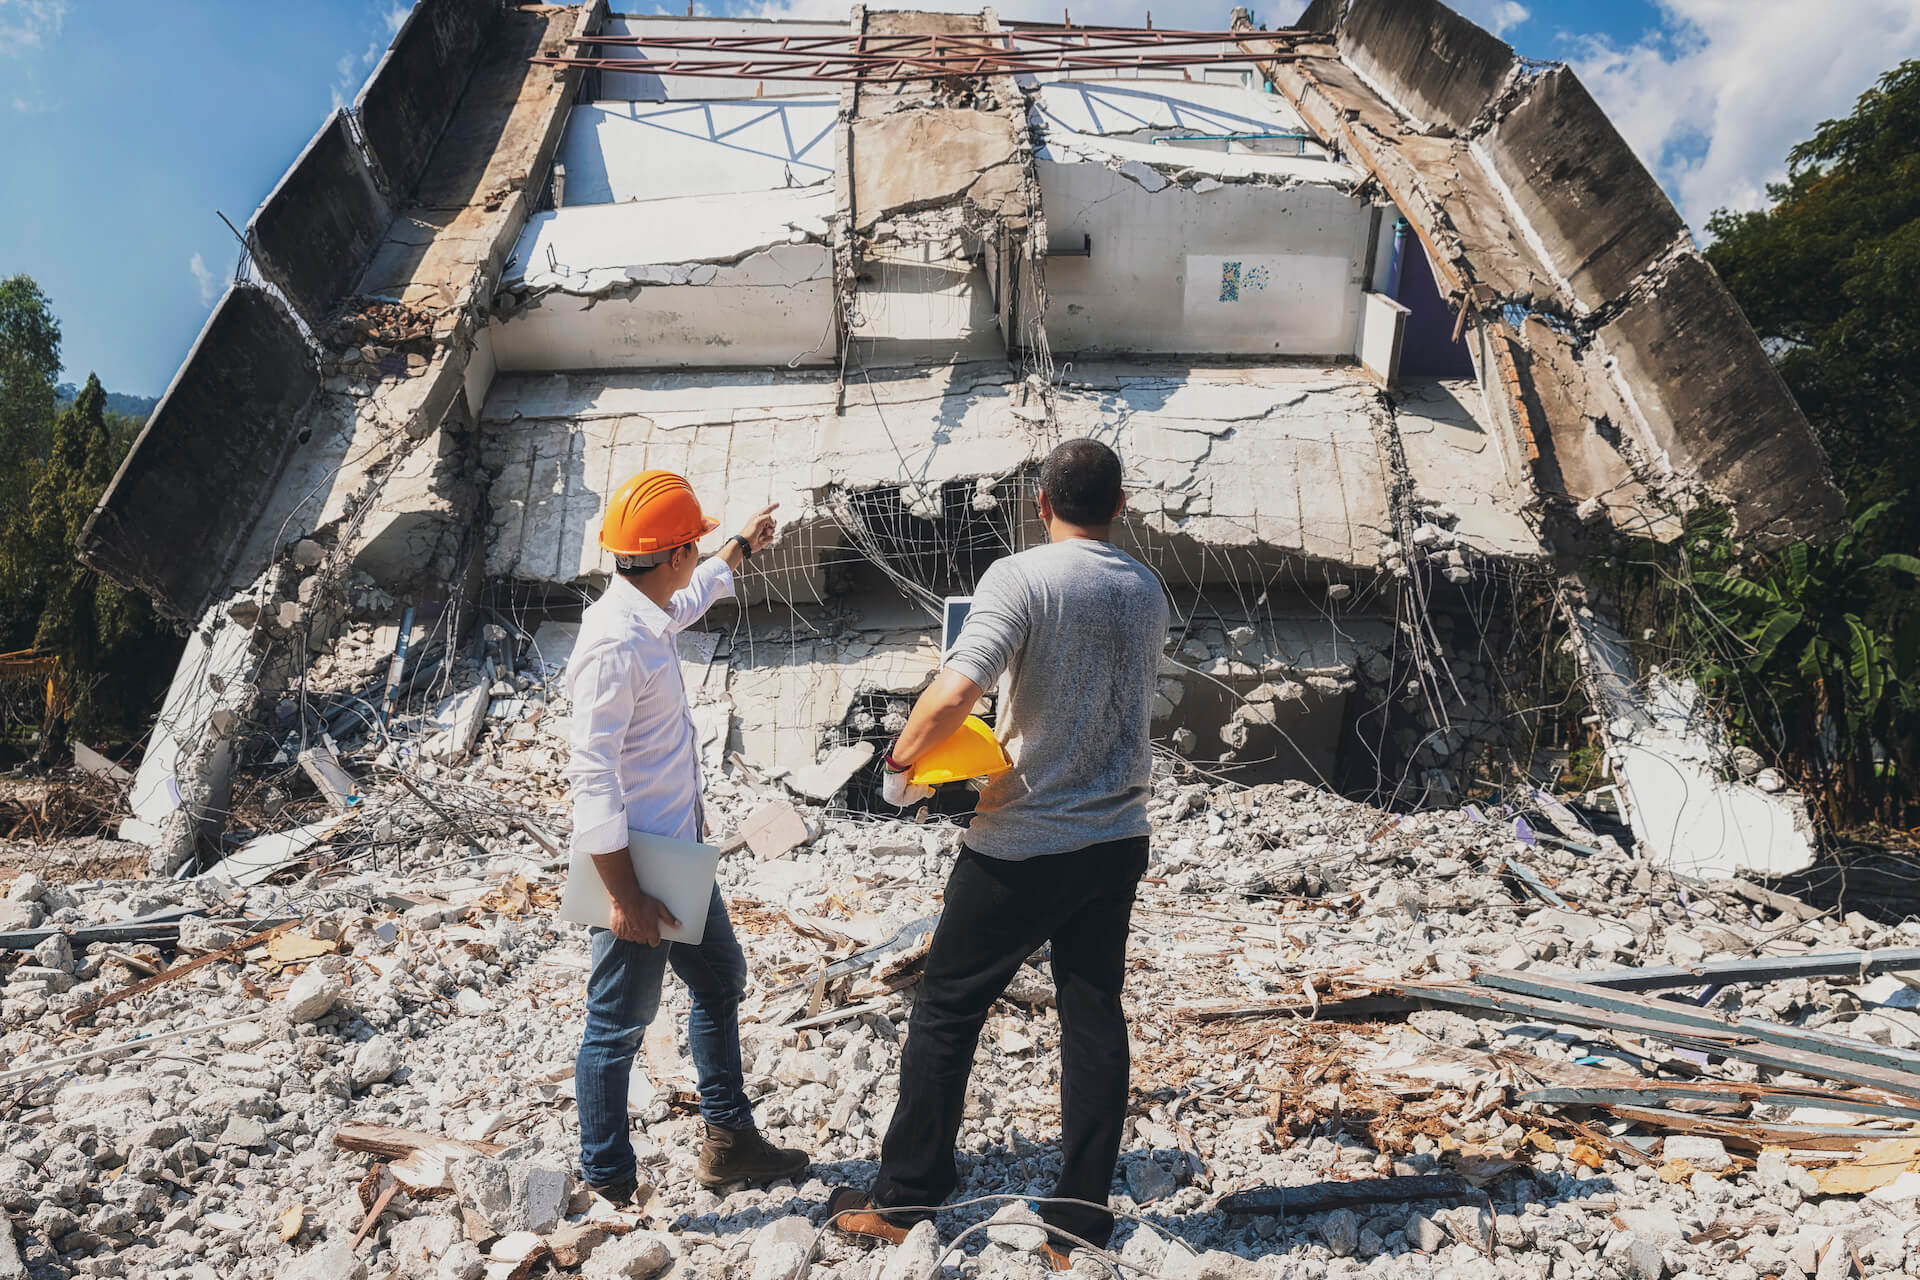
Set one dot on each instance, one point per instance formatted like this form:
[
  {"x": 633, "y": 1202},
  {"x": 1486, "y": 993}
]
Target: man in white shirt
[{"x": 635, "y": 765}]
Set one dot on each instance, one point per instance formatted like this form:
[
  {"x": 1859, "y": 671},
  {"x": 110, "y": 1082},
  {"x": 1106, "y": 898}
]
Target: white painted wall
[
  {"x": 1161, "y": 263},
  {"x": 1383, "y": 324},
  {"x": 620, "y": 151},
  {"x": 771, "y": 307},
  {"x": 908, "y": 311}
]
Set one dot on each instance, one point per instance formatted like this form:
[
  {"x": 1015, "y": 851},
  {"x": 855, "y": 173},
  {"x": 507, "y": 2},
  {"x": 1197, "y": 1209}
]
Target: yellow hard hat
[{"x": 971, "y": 752}]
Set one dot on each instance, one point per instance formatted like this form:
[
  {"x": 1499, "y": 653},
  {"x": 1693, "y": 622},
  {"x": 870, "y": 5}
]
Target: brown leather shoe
[
  {"x": 745, "y": 1155},
  {"x": 851, "y": 1213}
]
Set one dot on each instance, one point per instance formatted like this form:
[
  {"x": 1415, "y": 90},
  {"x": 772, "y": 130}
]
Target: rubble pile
[
  {"x": 382, "y": 338},
  {"x": 346, "y": 1049}
]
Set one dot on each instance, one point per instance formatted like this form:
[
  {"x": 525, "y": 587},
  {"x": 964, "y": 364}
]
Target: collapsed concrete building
[{"x": 1384, "y": 320}]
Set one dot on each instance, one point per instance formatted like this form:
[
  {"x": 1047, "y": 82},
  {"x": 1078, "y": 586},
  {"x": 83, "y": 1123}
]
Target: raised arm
[{"x": 713, "y": 580}]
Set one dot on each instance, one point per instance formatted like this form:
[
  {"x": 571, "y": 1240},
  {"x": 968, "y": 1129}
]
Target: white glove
[{"x": 898, "y": 791}]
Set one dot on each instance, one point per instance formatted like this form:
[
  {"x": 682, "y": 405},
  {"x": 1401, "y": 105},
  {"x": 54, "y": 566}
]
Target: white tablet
[{"x": 677, "y": 872}]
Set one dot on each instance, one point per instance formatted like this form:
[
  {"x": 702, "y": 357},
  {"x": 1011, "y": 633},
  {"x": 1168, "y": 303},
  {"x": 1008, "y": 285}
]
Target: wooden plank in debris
[
  {"x": 1593, "y": 997},
  {"x": 168, "y": 975},
  {"x": 1753, "y": 1135},
  {"x": 1790, "y": 907},
  {"x": 1728, "y": 1043},
  {"x": 905, "y": 942},
  {"x": 390, "y": 1142},
  {"x": 841, "y": 1014},
  {"x": 1375, "y": 1005},
  {"x": 1832, "y": 964},
  {"x": 1319, "y": 1197}
]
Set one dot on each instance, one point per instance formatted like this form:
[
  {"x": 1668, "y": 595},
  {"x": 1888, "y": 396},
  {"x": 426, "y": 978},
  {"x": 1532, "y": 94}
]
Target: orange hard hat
[{"x": 654, "y": 511}]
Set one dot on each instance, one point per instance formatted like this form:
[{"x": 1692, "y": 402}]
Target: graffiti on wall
[{"x": 1236, "y": 276}]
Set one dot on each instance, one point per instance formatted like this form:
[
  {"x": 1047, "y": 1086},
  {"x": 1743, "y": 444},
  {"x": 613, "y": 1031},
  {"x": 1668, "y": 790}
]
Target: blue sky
[{"x": 124, "y": 125}]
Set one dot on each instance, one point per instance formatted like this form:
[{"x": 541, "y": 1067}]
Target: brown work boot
[
  {"x": 850, "y": 1212},
  {"x": 744, "y": 1155}
]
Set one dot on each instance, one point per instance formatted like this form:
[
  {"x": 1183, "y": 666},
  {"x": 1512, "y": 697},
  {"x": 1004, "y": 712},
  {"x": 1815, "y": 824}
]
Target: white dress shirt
[{"x": 635, "y": 760}]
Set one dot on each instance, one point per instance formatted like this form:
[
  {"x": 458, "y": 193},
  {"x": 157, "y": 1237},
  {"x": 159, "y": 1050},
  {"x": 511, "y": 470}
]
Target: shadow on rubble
[
  {"x": 1010, "y": 1174},
  {"x": 1879, "y": 880}
]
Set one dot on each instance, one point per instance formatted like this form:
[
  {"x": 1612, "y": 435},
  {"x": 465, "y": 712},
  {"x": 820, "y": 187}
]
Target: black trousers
[{"x": 998, "y": 913}]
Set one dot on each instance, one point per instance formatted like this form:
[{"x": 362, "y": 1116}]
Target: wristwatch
[{"x": 746, "y": 548}]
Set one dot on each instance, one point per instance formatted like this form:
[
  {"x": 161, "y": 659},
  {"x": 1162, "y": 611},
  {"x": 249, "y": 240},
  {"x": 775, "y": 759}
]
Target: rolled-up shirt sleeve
[
  {"x": 712, "y": 581},
  {"x": 603, "y": 693},
  {"x": 995, "y": 628}
]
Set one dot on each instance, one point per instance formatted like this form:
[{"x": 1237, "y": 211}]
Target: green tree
[
  {"x": 98, "y": 631},
  {"x": 1829, "y": 275},
  {"x": 29, "y": 372},
  {"x": 1788, "y": 642}
]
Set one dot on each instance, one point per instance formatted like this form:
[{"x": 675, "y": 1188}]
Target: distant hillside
[{"x": 135, "y": 407}]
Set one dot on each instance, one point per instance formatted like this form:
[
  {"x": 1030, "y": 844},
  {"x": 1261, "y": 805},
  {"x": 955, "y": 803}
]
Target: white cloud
[
  {"x": 1713, "y": 101},
  {"x": 27, "y": 25},
  {"x": 209, "y": 282},
  {"x": 348, "y": 73},
  {"x": 1497, "y": 16}
]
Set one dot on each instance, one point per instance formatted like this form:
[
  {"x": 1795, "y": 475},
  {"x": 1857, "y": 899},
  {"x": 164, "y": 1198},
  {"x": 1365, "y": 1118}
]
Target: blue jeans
[{"x": 623, "y": 994}]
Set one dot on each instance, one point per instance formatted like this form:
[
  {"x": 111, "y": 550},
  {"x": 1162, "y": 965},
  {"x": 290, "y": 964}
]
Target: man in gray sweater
[{"x": 1054, "y": 854}]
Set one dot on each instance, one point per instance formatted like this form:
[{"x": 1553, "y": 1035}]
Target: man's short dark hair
[{"x": 1081, "y": 479}]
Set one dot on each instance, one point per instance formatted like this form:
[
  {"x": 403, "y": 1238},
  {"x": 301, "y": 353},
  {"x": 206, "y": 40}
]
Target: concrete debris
[
  {"x": 822, "y": 781},
  {"x": 313, "y": 994},
  {"x": 1272, "y": 1124}
]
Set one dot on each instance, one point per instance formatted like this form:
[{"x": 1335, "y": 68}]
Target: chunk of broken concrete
[
  {"x": 375, "y": 1061},
  {"x": 313, "y": 994},
  {"x": 574, "y": 1242},
  {"x": 328, "y": 1260},
  {"x": 243, "y": 1131},
  {"x": 824, "y": 779},
  {"x": 540, "y": 1195},
  {"x": 915, "y": 1257},
  {"x": 775, "y": 830},
  {"x": 640, "y": 1255}
]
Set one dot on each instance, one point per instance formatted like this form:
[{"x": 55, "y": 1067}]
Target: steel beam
[
  {"x": 1832, "y": 964},
  {"x": 1666, "y": 1011},
  {"x": 1728, "y": 1042},
  {"x": 866, "y": 68}
]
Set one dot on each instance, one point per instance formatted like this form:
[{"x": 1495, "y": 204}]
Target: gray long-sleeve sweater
[{"x": 1077, "y": 627}]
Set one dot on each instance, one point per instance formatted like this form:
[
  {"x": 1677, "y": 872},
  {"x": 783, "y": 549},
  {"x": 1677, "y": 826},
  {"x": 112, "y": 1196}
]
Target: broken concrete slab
[
  {"x": 825, "y": 779},
  {"x": 774, "y": 831},
  {"x": 460, "y": 718}
]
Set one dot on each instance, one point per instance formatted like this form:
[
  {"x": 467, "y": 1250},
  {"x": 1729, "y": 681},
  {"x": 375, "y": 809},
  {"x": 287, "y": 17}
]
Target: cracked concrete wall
[
  {"x": 770, "y": 307},
  {"x": 281, "y": 540},
  {"x": 925, "y": 157},
  {"x": 1523, "y": 193},
  {"x": 174, "y": 519},
  {"x": 1215, "y": 268},
  {"x": 1234, "y": 470},
  {"x": 416, "y": 87},
  {"x": 315, "y": 231},
  {"x": 1600, "y": 215}
]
